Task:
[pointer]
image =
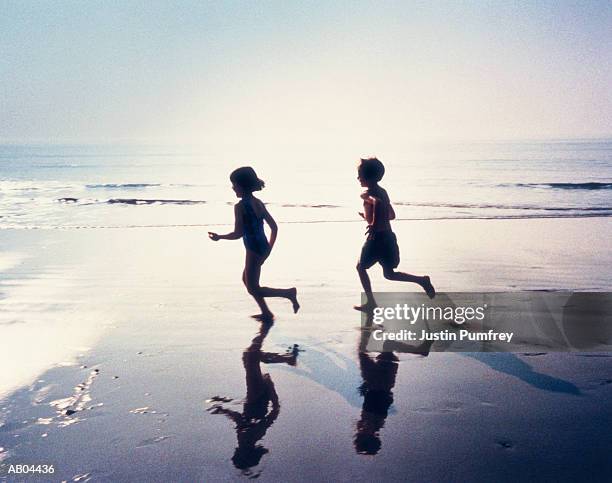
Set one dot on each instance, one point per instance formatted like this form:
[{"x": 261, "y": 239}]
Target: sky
[{"x": 292, "y": 73}]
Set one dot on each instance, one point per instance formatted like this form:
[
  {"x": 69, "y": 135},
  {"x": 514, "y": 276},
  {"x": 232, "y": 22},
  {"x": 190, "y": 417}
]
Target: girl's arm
[
  {"x": 230, "y": 413},
  {"x": 273, "y": 226},
  {"x": 238, "y": 227}
]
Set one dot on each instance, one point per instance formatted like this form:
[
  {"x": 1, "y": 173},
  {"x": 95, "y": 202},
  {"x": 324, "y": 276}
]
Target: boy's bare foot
[
  {"x": 294, "y": 300},
  {"x": 424, "y": 348},
  {"x": 428, "y": 287},
  {"x": 264, "y": 317}
]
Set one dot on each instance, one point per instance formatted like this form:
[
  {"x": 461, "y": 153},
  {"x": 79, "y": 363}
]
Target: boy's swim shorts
[{"x": 381, "y": 247}]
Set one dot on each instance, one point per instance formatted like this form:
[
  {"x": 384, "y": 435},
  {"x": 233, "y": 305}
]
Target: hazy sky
[{"x": 299, "y": 73}]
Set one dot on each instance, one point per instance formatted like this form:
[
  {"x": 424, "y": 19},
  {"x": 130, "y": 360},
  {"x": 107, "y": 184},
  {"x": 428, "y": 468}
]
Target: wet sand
[{"x": 137, "y": 372}]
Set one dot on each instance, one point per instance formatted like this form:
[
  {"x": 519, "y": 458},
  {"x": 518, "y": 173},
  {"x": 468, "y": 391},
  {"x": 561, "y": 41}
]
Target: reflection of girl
[
  {"x": 255, "y": 419},
  {"x": 250, "y": 214}
]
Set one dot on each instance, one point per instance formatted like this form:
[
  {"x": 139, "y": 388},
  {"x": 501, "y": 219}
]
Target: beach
[
  {"x": 120, "y": 346},
  {"x": 145, "y": 145}
]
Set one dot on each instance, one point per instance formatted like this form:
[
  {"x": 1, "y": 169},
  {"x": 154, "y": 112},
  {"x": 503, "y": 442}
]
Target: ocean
[{"x": 87, "y": 186}]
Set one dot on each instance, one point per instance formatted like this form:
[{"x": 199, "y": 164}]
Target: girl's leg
[
  {"x": 288, "y": 293},
  {"x": 250, "y": 277},
  {"x": 275, "y": 358}
]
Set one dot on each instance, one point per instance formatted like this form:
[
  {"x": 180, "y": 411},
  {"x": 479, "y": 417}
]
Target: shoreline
[{"x": 311, "y": 222}]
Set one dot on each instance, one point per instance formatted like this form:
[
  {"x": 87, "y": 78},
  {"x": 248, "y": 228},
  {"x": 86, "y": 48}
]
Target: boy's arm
[
  {"x": 238, "y": 228},
  {"x": 370, "y": 210},
  {"x": 369, "y": 205},
  {"x": 273, "y": 226},
  {"x": 391, "y": 212}
]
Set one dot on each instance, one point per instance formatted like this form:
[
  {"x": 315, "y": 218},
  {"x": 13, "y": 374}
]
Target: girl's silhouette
[{"x": 250, "y": 214}]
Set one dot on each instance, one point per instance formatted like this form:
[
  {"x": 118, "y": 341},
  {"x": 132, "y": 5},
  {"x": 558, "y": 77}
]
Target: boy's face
[{"x": 362, "y": 181}]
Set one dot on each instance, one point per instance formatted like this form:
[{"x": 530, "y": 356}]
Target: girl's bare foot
[
  {"x": 264, "y": 317},
  {"x": 294, "y": 300},
  {"x": 428, "y": 287},
  {"x": 367, "y": 308}
]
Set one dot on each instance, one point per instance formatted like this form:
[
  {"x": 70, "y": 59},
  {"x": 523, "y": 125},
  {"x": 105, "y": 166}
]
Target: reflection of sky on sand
[
  {"x": 341, "y": 374},
  {"x": 330, "y": 369},
  {"x": 42, "y": 323}
]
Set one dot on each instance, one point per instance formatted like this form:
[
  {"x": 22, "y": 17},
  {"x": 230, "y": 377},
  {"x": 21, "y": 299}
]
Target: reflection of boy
[{"x": 378, "y": 380}]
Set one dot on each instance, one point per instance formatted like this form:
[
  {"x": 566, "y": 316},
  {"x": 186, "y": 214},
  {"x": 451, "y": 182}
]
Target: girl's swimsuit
[{"x": 254, "y": 236}]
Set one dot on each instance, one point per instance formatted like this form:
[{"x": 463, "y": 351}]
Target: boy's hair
[
  {"x": 371, "y": 169},
  {"x": 247, "y": 179}
]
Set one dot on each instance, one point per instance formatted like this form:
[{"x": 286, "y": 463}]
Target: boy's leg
[
  {"x": 391, "y": 274},
  {"x": 423, "y": 281},
  {"x": 367, "y": 258},
  {"x": 286, "y": 293},
  {"x": 390, "y": 258},
  {"x": 367, "y": 288}
]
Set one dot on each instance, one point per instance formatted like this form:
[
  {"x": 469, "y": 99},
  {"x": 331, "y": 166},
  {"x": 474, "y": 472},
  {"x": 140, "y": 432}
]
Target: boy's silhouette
[{"x": 381, "y": 243}]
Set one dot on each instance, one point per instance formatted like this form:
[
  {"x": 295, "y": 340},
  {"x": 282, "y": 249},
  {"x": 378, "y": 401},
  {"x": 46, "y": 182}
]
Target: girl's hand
[
  {"x": 362, "y": 215},
  {"x": 213, "y": 236}
]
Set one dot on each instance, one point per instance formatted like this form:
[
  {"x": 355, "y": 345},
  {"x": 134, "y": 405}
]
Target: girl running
[{"x": 250, "y": 214}]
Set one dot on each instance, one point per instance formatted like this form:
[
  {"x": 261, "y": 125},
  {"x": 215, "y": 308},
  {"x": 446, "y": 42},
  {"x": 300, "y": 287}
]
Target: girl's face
[{"x": 238, "y": 190}]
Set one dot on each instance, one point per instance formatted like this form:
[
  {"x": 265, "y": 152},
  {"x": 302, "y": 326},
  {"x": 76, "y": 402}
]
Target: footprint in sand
[
  {"x": 219, "y": 399},
  {"x": 84, "y": 477},
  {"x": 147, "y": 410},
  {"x": 505, "y": 444},
  {"x": 449, "y": 407},
  {"x": 152, "y": 441}
]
